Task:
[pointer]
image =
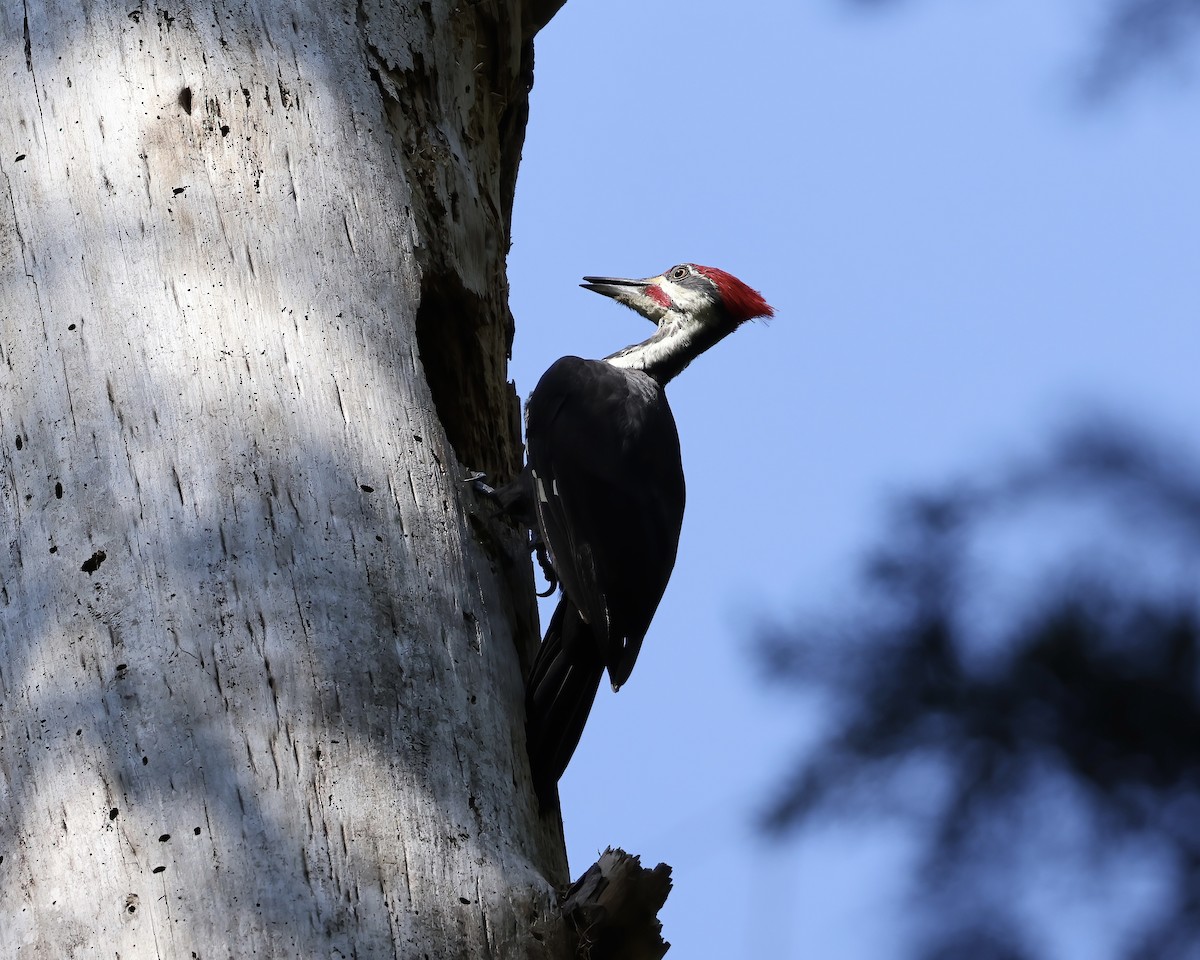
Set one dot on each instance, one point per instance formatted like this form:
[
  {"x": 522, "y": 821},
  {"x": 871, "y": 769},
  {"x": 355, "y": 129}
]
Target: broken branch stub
[{"x": 614, "y": 908}]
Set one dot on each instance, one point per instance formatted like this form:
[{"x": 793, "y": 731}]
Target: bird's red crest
[{"x": 741, "y": 302}]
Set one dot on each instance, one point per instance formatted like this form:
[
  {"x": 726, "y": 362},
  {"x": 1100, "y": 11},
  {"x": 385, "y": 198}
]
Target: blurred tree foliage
[
  {"x": 1132, "y": 36},
  {"x": 1019, "y": 678}
]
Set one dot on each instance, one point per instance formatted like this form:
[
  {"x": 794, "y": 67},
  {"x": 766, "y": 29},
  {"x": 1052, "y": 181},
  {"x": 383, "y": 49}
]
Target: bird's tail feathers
[{"x": 558, "y": 697}]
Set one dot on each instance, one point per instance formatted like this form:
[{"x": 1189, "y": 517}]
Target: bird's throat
[{"x": 672, "y": 347}]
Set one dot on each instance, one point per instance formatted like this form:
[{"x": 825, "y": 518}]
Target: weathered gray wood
[
  {"x": 260, "y": 692},
  {"x": 614, "y": 906}
]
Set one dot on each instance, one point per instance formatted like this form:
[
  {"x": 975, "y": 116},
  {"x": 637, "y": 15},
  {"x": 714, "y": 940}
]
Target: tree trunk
[{"x": 260, "y": 687}]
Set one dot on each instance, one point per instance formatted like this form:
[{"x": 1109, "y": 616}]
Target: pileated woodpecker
[{"x": 606, "y": 482}]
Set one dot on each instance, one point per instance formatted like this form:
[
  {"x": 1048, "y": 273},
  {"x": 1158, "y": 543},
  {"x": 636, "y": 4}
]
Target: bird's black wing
[{"x": 609, "y": 493}]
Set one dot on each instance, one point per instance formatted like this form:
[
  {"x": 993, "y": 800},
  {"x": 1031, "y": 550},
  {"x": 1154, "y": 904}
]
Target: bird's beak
[
  {"x": 638, "y": 294},
  {"x": 616, "y": 287}
]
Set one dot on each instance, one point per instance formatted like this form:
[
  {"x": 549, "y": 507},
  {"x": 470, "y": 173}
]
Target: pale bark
[{"x": 260, "y": 687}]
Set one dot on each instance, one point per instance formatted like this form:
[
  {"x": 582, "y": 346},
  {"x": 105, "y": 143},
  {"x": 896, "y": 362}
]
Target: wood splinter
[{"x": 614, "y": 908}]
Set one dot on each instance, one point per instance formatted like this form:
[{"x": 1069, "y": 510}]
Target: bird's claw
[
  {"x": 478, "y": 480},
  {"x": 543, "y": 559},
  {"x": 512, "y": 508}
]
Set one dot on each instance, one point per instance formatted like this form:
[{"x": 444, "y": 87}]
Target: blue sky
[{"x": 960, "y": 258}]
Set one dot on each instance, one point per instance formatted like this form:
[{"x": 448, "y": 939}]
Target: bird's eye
[{"x": 679, "y": 273}]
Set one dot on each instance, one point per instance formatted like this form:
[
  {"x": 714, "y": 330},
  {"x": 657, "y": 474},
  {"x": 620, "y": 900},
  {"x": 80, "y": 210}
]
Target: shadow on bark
[{"x": 182, "y": 667}]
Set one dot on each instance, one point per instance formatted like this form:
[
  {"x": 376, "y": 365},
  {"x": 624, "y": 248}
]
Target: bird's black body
[
  {"x": 605, "y": 482},
  {"x": 608, "y": 491}
]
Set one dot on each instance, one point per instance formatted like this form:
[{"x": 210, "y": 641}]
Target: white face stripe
[
  {"x": 686, "y": 299},
  {"x": 673, "y": 339}
]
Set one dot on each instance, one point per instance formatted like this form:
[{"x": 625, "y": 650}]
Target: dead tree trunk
[{"x": 260, "y": 689}]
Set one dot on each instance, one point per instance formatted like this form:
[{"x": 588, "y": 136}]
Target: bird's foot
[
  {"x": 478, "y": 482},
  {"x": 514, "y": 502}
]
